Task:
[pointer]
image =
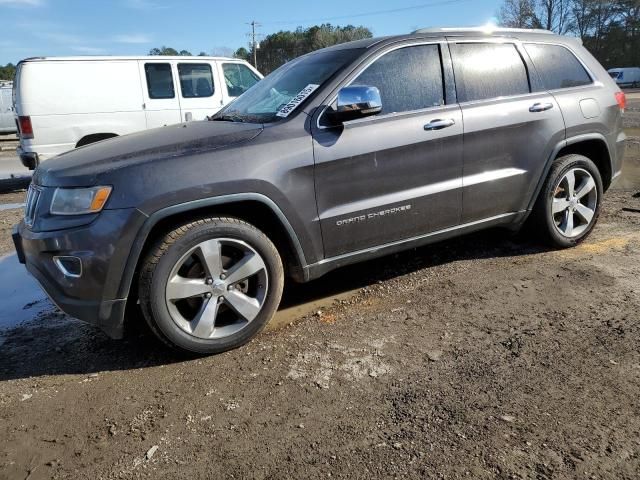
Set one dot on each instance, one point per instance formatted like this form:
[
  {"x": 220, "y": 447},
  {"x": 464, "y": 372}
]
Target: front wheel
[
  {"x": 211, "y": 285},
  {"x": 568, "y": 206}
]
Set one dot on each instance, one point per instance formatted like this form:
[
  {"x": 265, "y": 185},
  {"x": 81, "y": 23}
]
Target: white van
[
  {"x": 7, "y": 120},
  {"x": 62, "y": 103},
  {"x": 626, "y": 77}
]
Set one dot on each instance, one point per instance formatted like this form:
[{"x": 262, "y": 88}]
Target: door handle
[
  {"x": 439, "y": 124},
  {"x": 540, "y": 107}
]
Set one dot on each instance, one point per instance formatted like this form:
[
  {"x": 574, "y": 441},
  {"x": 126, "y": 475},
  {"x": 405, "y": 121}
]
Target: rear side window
[
  {"x": 159, "y": 80},
  {"x": 488, "y": 70},
  {"x": 409, "y": 78},
  {"x": 196, "y": 80},
  {"x": 557, "y": 66},
  {"x": 239, "y": 78}
]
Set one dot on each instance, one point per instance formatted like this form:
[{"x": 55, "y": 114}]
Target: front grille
[{"x": 33, "y": 195}]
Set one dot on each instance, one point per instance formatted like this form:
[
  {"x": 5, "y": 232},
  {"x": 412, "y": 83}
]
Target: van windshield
[{"x": 286, "y": 89}]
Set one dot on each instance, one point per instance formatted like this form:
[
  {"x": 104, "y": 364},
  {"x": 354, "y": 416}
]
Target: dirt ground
[{"x": 483, "y": 357}]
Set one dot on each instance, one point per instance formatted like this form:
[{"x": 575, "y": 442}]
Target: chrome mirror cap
[{"x": 358, "y": 101}]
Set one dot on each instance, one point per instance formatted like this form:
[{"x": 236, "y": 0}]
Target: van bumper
[{"x": 28, "y": 159}]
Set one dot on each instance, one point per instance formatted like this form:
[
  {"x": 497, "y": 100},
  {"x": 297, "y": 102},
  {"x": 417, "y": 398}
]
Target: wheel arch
[
  {"x": 593, "y": 146},
  {"x": 254, "y": 208},
  {"x": 93, "y": 138}
]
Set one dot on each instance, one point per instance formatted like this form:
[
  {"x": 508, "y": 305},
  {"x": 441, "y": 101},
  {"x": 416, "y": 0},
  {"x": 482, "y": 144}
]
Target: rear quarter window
[
  {"x": 488, "y": 70},
  {"x": 557, "y": 66}
]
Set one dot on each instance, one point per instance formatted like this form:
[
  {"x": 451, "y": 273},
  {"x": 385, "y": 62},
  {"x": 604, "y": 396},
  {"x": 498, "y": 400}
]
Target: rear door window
[
  {"x": 159, "y": 80},
  {"x": 196, "y": 80},
  {"x": 408, "y": 78},
  {"x": 239, "y": 78},
  {"x": 557, "y": 66},
  {"x": 488, "y": 70}
]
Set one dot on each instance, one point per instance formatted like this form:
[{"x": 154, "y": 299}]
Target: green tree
[
  {"x": 168, "y": 51},
  {"x": 280, "y": 47},
  {"x": 241, "y": 53},
  {"x": 7, "y": 72}
]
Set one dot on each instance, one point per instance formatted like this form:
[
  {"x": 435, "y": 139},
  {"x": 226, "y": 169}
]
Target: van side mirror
[{"x": 357, "y": 101}]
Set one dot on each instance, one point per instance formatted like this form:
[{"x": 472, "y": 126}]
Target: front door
[
  {"x": 161, "y": 103},
  {"x": 509, "y": 132},
  {"x": 397, "y": 175}
]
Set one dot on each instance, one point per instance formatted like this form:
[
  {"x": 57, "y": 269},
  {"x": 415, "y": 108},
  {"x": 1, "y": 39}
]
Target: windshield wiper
[{"x": 229, "y": 117}]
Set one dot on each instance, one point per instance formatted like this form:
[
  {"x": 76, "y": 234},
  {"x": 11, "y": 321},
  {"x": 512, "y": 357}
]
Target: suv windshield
[{"x": 280, "y": 93}]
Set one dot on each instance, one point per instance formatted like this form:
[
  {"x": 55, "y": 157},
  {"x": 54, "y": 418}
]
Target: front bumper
[
  {"x": 103, "y": 248},
  {"x": 28, "y": 159}
]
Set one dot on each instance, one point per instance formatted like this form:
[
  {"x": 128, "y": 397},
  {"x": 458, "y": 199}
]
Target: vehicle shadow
[{"x": 54, "y": 344}]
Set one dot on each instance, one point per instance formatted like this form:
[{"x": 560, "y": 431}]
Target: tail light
[
  {"x": 26, "y": 130},
  {"x": 621, "y": 98}
]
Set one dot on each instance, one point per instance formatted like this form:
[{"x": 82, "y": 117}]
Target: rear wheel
[
  {"x": 569, "y": 204},
  {"x": 211, "y": 285}
]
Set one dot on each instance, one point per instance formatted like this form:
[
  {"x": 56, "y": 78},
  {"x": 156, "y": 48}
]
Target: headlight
[{"x": 79, "y": 201}]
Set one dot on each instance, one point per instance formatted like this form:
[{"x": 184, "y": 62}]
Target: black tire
[
  {"x": 543, "y": 221},
  {"x": 168, "y": 251}
]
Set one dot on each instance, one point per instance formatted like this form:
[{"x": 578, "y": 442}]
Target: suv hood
[{"x": 83, "y": 166}]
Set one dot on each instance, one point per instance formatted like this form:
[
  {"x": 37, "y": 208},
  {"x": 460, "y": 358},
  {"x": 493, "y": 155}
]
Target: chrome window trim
[{"x": 356, "y": 73}]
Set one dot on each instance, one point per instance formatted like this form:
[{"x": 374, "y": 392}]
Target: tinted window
[
  {"x": 239, "y": 78},
  {"x": 557, "y": 66},
  {"x": 485, "y": 70},
  {"x": 159, "y": 80},
  {"x": 196, "y": 80},
  {"x": 408, "y": 78}
]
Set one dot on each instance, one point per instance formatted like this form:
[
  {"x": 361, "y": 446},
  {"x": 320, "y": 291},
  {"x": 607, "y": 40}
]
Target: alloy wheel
[
  {"x": 217, "y": 288},
  {"x": 574, "y": 203}
]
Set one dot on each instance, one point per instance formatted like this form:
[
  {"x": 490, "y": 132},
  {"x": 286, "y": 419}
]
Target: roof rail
[{"x": 488, "y": 29}]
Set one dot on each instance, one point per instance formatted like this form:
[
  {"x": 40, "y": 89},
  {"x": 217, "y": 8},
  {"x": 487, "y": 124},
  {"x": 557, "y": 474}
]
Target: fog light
[{"x": 69, "y": 266}]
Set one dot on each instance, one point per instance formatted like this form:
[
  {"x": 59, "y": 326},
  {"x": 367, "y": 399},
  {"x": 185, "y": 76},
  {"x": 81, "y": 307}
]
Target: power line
[{"x": 368, "y": 14}]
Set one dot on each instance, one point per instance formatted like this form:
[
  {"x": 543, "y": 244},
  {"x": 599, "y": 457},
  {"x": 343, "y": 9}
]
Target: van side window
[
  {"x": 488, "y": 70},
  {"x": 557, "y": 66},
  {"x": 196, "y": 80},
  {"x": 239, "y": 78},
  {"x": 408, "y": 78},
  {"x": 159, "y": 80}
]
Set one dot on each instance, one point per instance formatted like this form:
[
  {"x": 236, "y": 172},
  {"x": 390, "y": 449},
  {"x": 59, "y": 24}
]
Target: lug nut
[
  {"x": 220, "y": 299},
  {"x": 209, "y": 281},
  {"x": 223, "y": 276},
  {"x": 208, "y": 295}
]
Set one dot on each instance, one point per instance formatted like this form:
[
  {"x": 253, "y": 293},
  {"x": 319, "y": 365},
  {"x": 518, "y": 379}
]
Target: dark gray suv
[{"x": 345, "y": 154}]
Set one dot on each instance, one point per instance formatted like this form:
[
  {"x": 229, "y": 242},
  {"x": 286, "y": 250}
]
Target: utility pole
[{"x": 254, "y": 44}]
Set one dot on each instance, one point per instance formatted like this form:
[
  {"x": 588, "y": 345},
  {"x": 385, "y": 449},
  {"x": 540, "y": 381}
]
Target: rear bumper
[
  {"x": 28, "y": 159},
  {"x": 103, "y": 248}
]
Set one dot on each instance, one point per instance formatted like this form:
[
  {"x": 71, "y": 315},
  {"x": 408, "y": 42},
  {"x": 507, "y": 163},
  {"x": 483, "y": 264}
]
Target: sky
[{"x": 31, "y": 28}]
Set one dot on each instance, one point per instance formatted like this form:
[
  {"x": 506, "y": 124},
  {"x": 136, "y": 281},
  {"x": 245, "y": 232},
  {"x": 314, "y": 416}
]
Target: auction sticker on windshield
[{"x": 285, "y": 111}]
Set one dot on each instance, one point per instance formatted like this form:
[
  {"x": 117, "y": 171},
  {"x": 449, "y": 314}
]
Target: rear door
[
  {"x": 509, "y": 132},
  {"x": 396, "y": 175},
  {"x": 200, "y": 92},
  {"x": 161, "y": 102}
]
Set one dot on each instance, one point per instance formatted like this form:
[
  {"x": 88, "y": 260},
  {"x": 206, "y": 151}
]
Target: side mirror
[{"x": 357, "y": 101}]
